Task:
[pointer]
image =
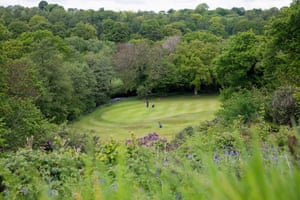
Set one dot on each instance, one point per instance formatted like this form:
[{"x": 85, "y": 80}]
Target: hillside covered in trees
[{"x": 58, "y": 64}]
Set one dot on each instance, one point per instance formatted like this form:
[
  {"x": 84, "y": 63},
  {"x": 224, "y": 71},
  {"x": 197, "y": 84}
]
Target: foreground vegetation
[{"x": 205, "y": 162}]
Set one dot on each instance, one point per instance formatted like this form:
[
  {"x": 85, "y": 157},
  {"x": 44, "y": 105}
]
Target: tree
[
  {"x": 77, "y": 43},
  {"x": 281, "y": 57},
  {"x": 161, "y": 74},
  {"x": 21, "y": 119},
  {"x": 3, "y": 71},
  {"x": 118, "y": 33},
  {"x": 216, "y": 27},
  {"x": 237, "y": 66},
  {"x": 85, "y": 31},
  {"x": 42, "y": 5},
  {"x": 201, "y": 8},
  {"x": 4, "y": 33},
  {"x": 83, "y": 83},
  {"x": 60, "y": 30},
  {"x": 17, "y": 28},
  {"x": 132, "y": 63},
  {"x": 38, "y": 22},
  {"x": 171, "y": 43},
  {"x": 22, "y": 80},
  {"x": 101, "y": 65},
  {"x": 178, "y": 27},
  {"x": 194, "y": 57},
  {"x": 151, "y": 29},
  {"x": 48, "y": 54},
  {"x": 239, "y": 11},
  {"x": 57, "y": 14}
]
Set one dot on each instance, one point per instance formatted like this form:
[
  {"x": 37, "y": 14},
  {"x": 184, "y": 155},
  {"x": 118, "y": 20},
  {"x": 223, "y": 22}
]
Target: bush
[
  {"x": 27, "y": 174},
  {"x": 21, "y": 119},
  {"x": 285, "y": 105},
  {"x": 243, "y": 104}
]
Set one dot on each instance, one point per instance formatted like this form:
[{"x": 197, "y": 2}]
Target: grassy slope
[{"x": 121, "y": 119}]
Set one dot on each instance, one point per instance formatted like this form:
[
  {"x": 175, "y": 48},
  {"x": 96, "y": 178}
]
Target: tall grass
[
  {"x": 135, "y": 172},
  {"x": 177, "y": 177}
]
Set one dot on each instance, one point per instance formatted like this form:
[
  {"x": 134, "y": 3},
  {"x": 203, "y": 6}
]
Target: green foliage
[
  {"x": 237, "y": 65},
  {"x": 133, "y": 61},
  {"x": 224, "y": 140},
  {"x": 38, "y": 22},
  {"x": 4, "y": 33},
  {"x": 194, "y": 57},
  {"x": 242, "y": 104},
  {"x": 83, "y": 82},
  {"x": 120, "y": 32},
  {"x": 85, "y": 31},
  {"x": 195, "y": 170},
  {"x": 162, "y": 77},
  {"x": 142, "y": 91},
  {"x": 296, "y": 96},
  {"x": 22, "y": 120},
  {"x": 43, "y": 5},
  {"x": 101, "y": 67},
  {"x": 17, "y": 28},
  {"x": 4, "y": 131},
  {"x": 282, "y": 55},
  {"x": 108, "y": 152},
  {"x": 22, "y": 80},
  {"x": 216, "y": 27},
  {"x": 29, "y": 174},
  {"x": 151, "y": 29}
]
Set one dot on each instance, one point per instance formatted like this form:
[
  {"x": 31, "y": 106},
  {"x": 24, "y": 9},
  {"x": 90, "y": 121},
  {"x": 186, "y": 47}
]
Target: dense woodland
[{"x": 57, "y": 65}]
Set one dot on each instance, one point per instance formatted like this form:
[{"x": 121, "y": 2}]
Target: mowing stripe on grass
[{"x": 131, "y": 116}]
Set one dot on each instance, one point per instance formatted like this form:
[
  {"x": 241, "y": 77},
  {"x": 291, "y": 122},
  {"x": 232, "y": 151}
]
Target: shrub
[
  {"x": 27, "y": 174},
  {"x": 285, "y": 105},
  {"x": 242, "y": 104},
  {"x": 21, "y": 119}
]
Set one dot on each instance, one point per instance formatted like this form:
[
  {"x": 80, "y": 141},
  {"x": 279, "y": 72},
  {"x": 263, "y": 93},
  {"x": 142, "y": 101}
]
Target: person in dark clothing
[
  {"x": 147, "y": 103},
  {"x": 160, "y": 124}
]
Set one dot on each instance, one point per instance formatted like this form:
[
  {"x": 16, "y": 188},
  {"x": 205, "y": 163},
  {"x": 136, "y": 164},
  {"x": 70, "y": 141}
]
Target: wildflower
[
  {"x": 114, "y": 186},
  {"x": 24, "y": 191},
  {"x": 216, "y": 157},
  {"x": 189, "y": 156},
  {"x": 52, "y": 192},
  {"x": 101, "y": 181},
  {"x": 178, "y": 196}
]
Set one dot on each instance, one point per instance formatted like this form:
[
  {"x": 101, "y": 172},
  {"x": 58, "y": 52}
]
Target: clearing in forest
[{"x": 119, "y": 120}]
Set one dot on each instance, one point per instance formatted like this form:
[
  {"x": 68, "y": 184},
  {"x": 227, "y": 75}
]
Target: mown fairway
[{"x": 120, "y": 119}]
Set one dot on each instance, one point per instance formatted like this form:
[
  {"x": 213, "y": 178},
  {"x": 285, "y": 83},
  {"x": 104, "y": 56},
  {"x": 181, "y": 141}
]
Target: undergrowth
[{"x": 205, "y": 162}]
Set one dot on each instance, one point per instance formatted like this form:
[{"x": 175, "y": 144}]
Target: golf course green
[{"x": 131, "y": 116}]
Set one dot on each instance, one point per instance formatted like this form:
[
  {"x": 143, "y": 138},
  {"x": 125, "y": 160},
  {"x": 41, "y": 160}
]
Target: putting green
[{"x": 119, "y": 120}]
